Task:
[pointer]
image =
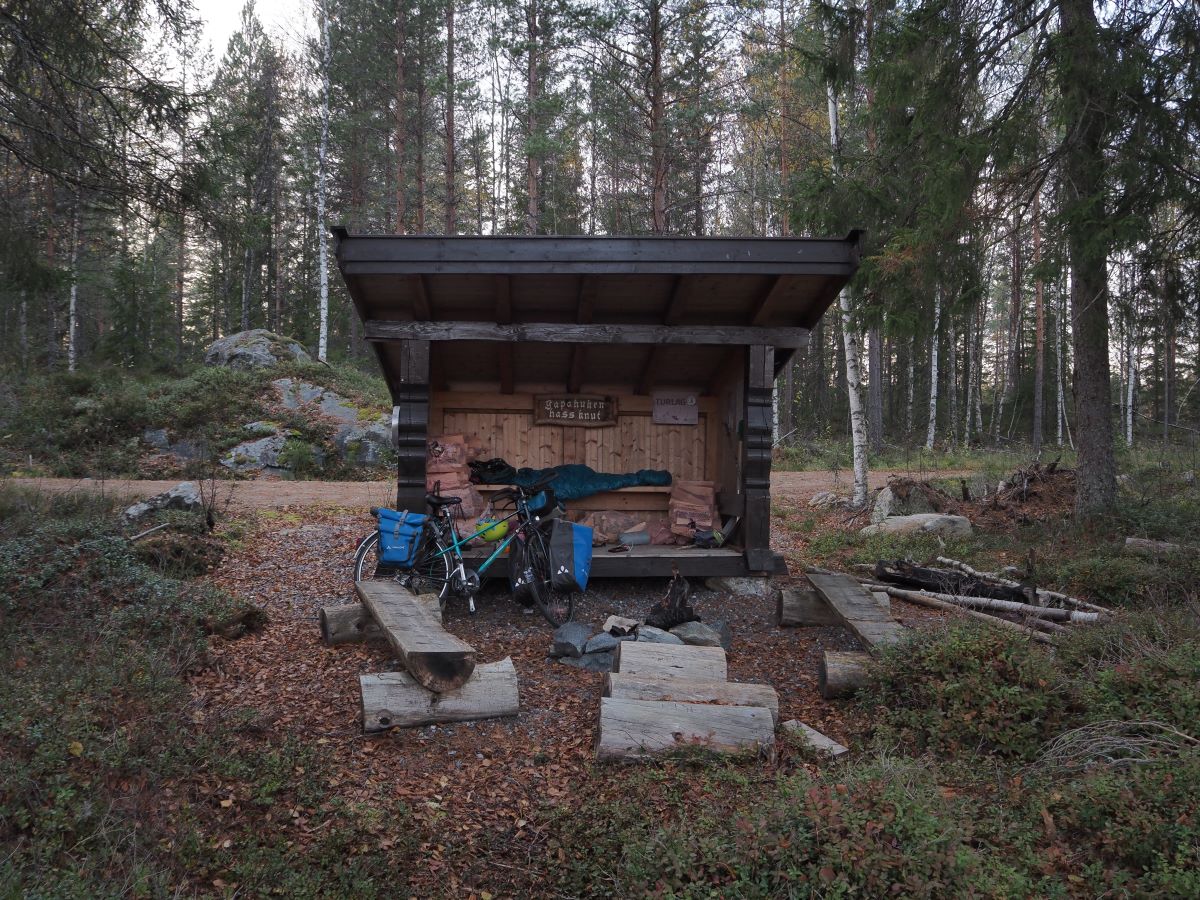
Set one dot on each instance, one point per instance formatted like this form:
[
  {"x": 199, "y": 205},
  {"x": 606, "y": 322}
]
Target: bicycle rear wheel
[
  {"x": 429, "y": 574},
  {"x": 555, "y": 607}
]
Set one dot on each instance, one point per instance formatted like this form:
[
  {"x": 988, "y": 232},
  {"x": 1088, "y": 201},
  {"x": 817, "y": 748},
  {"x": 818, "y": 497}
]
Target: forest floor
[{"x": 254, "y": 777}]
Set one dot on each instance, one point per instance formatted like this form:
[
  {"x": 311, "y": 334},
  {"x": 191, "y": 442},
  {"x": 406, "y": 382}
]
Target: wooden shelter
[{"x": 618, "y": 353}]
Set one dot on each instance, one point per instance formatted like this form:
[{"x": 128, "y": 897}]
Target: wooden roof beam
[
  {"x": 585, "y": 305},
  {"x": 502, "y": 287},
  {"x": 762, "y": 309},
  {"x": 568, "y": 333},
  {"x": 422, "y": 309}
]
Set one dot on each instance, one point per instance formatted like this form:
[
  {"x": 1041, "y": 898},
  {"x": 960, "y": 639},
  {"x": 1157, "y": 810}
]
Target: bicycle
[{"x": 438, "y": 566}]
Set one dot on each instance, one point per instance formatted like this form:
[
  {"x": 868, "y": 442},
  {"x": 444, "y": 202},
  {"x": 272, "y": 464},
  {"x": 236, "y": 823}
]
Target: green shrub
[{"x": 967, "y": 689}]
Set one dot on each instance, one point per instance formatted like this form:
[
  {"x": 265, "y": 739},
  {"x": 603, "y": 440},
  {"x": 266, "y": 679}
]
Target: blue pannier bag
[
  {"x": 399, "y": 535},
  {"x": 570, "y": 556}
]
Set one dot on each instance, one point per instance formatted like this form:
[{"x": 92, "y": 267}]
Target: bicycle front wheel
[
  {"x": 556, "y": 608},
  {"x": 429, "y": 574}
]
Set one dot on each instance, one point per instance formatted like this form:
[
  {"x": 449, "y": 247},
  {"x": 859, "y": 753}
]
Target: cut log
[
  {"x": 815, "y": 739},
  {"x": 436, "y": 659},
  {"x": 670, "y": 661},
  {"x": 841, "y": 674},
  {"x": 804, "y": 607},
  {"x": 858, "y": 610},
  {"x": 622, "y": 686},
  {"x": 640, "y": 729},
  {"x": 1152, "y": 549},
  {"x": 348, "y": 623},
  {"x": 394, "y": 699}
]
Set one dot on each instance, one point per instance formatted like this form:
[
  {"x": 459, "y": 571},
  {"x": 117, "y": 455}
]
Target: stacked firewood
[{"x": 991, "y": 597}]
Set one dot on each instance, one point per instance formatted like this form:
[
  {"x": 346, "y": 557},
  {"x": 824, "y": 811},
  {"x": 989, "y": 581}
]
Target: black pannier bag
[{"x": 570, "y": 556}]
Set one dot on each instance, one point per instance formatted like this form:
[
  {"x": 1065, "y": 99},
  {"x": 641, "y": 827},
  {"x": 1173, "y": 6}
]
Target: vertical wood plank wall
[{"x": 503, "y": 425}]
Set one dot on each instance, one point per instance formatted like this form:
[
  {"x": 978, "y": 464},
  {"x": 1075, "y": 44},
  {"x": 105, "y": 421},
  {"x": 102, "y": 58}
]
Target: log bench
[{"x": 436, "y": 659}]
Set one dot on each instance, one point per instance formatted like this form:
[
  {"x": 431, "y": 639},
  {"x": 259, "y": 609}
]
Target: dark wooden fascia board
[{"x": 555, "y": 332}]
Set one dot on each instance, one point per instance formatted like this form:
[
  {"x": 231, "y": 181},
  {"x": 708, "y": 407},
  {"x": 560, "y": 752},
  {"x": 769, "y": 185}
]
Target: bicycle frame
[{"x": 457, "y": 542}]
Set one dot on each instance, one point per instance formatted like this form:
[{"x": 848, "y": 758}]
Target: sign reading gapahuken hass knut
[{"x": 587, "y": 410}]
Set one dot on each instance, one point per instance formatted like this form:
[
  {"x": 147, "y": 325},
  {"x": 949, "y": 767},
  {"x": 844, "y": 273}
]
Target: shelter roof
[{"x": 649, "y": 289}]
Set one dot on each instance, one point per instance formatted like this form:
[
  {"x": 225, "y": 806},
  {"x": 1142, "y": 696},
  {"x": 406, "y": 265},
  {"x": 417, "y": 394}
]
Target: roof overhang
[{"x": 646, "y": 304}]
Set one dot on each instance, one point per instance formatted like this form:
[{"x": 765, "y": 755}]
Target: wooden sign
[
  {"x": 676, "y": 408},
  {"x": 587, "y": 410}
]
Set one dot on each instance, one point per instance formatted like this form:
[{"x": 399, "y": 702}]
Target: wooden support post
[
  {"x": 411, "y": 397},
  {"x": 670, "y": 661},
  {"x": 395, "y": 699},
  {"x": 690, "y": 690},
  {"x": 756, "y": 457},
  {"x": 639, "y": 729}
]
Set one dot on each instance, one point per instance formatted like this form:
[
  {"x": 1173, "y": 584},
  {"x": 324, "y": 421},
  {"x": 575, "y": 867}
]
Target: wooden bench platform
[{"x": 858, "y": 610}]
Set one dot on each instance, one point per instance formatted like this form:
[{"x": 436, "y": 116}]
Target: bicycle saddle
[{"x": 436, "y": 501}]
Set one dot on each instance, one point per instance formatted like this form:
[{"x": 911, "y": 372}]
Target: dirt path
[{"x": 268, "y": 493}]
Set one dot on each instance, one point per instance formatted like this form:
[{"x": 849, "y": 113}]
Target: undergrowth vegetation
[
  {"x": 108, "y": 787},
  {"x": 91, "y": 424}
]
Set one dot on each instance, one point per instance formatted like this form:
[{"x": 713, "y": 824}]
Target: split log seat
[
  {"x": 858, "y": 610},
  {"x": 691, "y": 690},
  {"x": 670, "y": 661},
  {"x": 395, "y": 699},
  {"x": 641, "y": 729},
  {"x": 436, "y": 659}
]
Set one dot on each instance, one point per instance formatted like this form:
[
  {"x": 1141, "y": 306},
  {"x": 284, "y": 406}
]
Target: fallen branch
[
  {"x": 148, "y": 532},
  {"x": 934, "y": 603},
  {"x": 1116, "y": 743},
  {"x": 1042, "y": 593}
]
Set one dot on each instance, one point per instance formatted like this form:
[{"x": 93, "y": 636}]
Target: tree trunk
[
  {"x": 451, "y": 196},
  {"x": 658, "y": 124},
  {"x": 931, "y": 432},
  {"x": 875, "y": 388},
  {"x": 322, "y": 154},
  {"x": 1039, "y": 349},
  {"x": 399, "y": 123},
  {"x": 73, "y": 302},
  {"x": 952, "y": 378},
  {"x": 910, "y": 376},
  {"x": 1081, "y": 73},
  {"x": 1132, "y": 362},
  {"x": 532, "y": 168},
  {"x": 858, "y": 419}
]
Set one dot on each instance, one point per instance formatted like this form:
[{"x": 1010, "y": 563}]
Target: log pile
[{"x": 987, "y": 596}]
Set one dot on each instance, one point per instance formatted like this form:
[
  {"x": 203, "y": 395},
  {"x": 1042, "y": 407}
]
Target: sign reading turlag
[
  {"x": 587, "y": 410},
  {"x": 676, "y": 408}
]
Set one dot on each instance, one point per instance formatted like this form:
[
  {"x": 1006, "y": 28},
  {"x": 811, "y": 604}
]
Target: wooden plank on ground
[
  {"x": 394, "y": 699},
  {"x": 858, "y": 610},
  {"x": 815, "y": 739},
  {"x": 350, "y": 623},
  {"x": 639, "y": 729},
  {"x": 623, "y": 686},
  {"x": 670, "y": 661},
  {"x": 435, "y": 658}
]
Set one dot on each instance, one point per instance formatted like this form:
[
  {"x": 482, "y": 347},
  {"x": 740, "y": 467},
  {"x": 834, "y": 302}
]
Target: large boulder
[
  {"x": 299, "y": 394},
  {"x": 273, "y": 455},
  {"x": 922, "y": 523},
  {"x": 648, "y": 634},
  {"x": 185, "y": 496},
  {"x": 366, "y": 445},
  {"x": 900, "y": 500},
  {"x": 254, "y": 349}
]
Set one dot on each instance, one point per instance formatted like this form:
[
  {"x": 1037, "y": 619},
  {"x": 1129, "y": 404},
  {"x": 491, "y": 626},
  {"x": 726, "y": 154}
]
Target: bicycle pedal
[{"x": 471, "y": 606}]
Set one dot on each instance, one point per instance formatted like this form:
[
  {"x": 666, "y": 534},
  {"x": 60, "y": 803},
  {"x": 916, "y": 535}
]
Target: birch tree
[{"x": 931, "y": 432}]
